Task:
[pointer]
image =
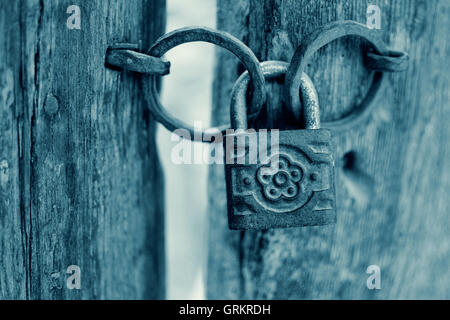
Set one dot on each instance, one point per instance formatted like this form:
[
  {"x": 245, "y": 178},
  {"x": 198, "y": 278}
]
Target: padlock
[{"x": 292, "y": 185}]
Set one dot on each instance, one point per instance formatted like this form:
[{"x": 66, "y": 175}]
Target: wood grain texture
[
  {"x": 80, "y": 178},
  {"x": 392, "y": 173}
]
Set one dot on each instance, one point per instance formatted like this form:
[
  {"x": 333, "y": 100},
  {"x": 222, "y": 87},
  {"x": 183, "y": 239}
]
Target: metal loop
[
  {"x": 314, "y": 42},
  {"x": 274, "y": 70},
  {"x": 134, "y": 61},
  {"x": 220, "y": 38},
  {"x": 394, "y": 61}
]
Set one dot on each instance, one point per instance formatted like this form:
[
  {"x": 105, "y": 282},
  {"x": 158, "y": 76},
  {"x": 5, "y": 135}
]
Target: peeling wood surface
[
  {"x": 80, "y": 181},
  {"x": 392, "y": 173}
]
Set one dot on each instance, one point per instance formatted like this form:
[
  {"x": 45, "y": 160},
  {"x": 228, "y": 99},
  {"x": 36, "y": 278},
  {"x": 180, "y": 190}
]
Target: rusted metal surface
[
  {"x": 131, "y": 60},
  {"x": 276, "y": 70},
  {"x": 380, "y": 60},
  {"x": 219, "y": 38},
  {"x": 393, "y": 61},
  {"x": 316, "y": 40},
  {"x": 295, "y": 187}
]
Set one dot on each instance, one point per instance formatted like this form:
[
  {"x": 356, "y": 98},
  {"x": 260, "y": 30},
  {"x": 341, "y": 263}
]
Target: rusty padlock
[{"x": 292, "y": 185}]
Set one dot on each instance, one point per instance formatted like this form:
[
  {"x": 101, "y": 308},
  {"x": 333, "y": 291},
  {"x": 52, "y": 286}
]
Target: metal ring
[
  {"x": 274, "y": 69},
  {"x": 220, "y": 38},
  {"x": 314, "y": 42}
]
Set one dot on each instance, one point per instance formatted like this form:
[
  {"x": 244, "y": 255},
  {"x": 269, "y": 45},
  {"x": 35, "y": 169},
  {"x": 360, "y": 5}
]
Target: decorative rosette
[{"x": 280, "y": 179}]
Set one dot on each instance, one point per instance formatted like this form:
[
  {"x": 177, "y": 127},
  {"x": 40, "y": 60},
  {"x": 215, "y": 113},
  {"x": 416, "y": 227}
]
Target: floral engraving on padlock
[
  {"x": 293, "y": 187},
  {"x": 296, "y": 187},
  {"x": 283, "y": 183}
]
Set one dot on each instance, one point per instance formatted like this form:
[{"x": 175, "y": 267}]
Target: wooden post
[
  {"x": 392, "y": 176},
  {"x": 80, "y": 182}
]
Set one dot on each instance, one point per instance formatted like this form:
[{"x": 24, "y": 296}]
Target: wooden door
[
  {"x": 80, "y": 182},
  {"x": 392, "y": 173}
]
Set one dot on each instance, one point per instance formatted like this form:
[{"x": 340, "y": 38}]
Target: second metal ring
[{"x": 314, "y": 42}]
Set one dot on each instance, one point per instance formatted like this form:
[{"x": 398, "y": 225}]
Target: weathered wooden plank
[
  {"x": 392, "y": 176},
  {"x": 86, "y": 189},
  {"x": 13, "y": 280}
]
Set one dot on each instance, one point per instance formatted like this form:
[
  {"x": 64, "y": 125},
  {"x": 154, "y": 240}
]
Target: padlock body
[{"x": 291, "y": 186}]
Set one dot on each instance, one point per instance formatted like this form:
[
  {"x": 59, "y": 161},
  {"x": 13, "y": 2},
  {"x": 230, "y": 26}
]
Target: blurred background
[{"x": 185, "y": 185}]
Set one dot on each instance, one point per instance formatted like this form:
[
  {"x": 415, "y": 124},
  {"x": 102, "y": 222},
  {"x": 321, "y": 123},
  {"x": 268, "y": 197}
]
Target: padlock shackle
[
  {"x": 274, "y": 70},
  {"x": 309, "y": 103}
]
